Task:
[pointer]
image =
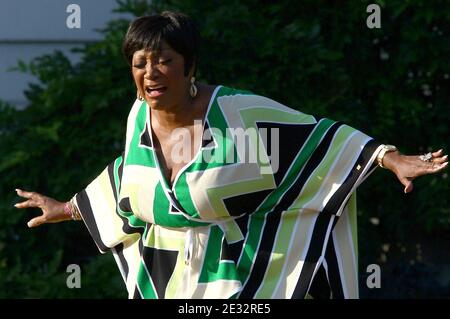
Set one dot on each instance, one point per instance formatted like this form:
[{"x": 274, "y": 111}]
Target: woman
[{"x": 221, "y": 193}]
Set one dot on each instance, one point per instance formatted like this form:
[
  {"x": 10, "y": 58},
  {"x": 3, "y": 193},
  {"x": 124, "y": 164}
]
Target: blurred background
[{"x": 65, "y": 94}]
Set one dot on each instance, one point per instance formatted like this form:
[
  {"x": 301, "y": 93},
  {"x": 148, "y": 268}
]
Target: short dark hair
[{"x": 175, "y": 28}]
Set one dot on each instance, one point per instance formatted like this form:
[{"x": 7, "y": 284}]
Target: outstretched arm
[{"x": 409, "y": 167}]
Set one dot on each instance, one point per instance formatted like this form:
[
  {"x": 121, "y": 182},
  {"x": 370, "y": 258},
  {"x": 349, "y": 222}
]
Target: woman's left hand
[{"x": 407, "y": 168}]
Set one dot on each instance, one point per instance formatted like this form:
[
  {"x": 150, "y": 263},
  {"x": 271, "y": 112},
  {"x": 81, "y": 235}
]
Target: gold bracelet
[
  {"x": 383, "y": 151},
  {"x": 74, "y": 211}
]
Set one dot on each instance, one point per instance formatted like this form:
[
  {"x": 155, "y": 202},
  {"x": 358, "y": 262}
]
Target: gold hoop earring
[{"x": 193, "y": 90}]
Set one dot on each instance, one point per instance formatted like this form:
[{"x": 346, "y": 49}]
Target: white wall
[{"x": 30, "y": 28}]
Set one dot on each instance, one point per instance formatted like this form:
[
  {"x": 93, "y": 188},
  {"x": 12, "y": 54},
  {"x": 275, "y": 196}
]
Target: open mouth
[{"x": 155, "y": 91}]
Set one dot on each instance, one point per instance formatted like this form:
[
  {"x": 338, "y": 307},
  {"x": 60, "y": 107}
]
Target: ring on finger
[{"x": 426, "y": 157}]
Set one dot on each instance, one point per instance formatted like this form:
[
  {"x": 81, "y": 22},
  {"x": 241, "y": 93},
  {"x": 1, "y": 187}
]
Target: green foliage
[
  {"x": 316, "y": 56},
  {"x": 73, "y": 126}
]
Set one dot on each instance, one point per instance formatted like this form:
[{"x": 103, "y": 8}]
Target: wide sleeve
[
  {"x": 98, "y": 207},
  {"x": 349, "y": 160},
  {"x": 112, "y": 227},
  {"x": 350, "y": 157}
]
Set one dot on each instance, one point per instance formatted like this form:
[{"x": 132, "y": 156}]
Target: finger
[
  {"x": 407, "y": 182},
  {"x": 434, "y": 168},
  {"x": 409, "y": 188},
  {"x": 27, "y": 204},
  {"x": 25, "y": 194},
  {"x": 440, "y": 160},
  {"x": 37, "y": 221},
  {"x": 424, "y": 168},
  {"x": 438, "y": 153}
]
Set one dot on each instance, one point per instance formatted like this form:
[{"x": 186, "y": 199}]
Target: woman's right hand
[{"x": 52, "y": 210}]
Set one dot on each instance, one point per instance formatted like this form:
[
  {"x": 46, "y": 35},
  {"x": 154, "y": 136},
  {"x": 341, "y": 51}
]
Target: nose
[{"x": 151, "y": 70}]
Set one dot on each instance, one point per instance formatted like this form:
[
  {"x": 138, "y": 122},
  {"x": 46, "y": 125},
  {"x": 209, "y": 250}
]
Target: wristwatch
[{"x": 383, "y": 151}]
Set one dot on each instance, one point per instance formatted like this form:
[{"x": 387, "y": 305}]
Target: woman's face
[{"x": 159, "y": 78}]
